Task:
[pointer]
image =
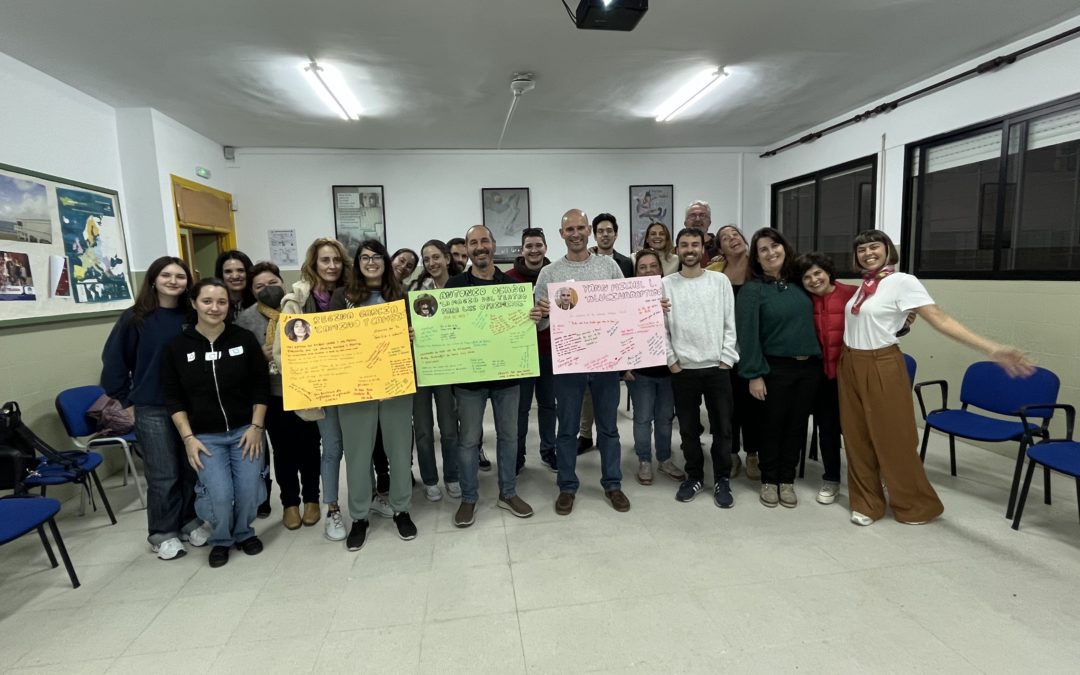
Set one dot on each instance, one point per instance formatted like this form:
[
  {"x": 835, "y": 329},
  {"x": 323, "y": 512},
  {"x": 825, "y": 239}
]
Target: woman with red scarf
[{"x": 875, "y": 393}]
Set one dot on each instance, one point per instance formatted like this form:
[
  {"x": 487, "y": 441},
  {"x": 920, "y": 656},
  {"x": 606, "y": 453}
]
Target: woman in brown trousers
[{"x": 876, "y": 413}]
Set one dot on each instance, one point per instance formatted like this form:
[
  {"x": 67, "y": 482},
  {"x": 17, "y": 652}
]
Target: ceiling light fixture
[
  {"x": 690, "y": 93},
  {"x": 331, "y": 89}
]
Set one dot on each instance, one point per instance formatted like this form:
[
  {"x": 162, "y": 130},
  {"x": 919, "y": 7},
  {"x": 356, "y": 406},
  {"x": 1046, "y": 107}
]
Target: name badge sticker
[
  {"x": 236, "y": 351},
  {"x": 190, "y": 357},
  {"x": 212, "y": 356}
]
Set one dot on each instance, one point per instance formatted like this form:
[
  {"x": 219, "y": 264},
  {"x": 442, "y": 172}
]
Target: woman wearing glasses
[{"x": 780, "y": 356}]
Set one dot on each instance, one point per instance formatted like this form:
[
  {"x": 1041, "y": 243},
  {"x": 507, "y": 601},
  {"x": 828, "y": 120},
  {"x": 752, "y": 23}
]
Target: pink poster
[{"x": 600, "y": 326}]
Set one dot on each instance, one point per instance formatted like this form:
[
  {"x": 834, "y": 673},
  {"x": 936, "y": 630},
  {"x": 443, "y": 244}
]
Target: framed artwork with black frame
[
  {"x": 359, "y": 214},
  {"x": 650, "y": 204},
  {"x": 506, "y": 214}
]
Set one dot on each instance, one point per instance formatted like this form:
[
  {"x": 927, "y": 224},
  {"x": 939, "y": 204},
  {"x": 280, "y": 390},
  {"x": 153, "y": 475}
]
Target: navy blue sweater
[{"x": 131, "y": 359}]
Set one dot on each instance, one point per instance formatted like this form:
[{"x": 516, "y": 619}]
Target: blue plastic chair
[
  {"x": 1061, "y": 455},
  {"x": 71, "y": 405},
  {"x": 988, "y": 387},
  {"x": 20, "y": 515},
  {"x": 83, "y": 466}
]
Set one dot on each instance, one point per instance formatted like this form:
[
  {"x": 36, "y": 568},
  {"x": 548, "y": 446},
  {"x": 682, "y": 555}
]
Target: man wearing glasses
[{"x": 699, "y": 217}]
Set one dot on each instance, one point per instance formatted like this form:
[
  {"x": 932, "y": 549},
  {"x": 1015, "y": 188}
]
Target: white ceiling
[{"x": 435, "y": 73}]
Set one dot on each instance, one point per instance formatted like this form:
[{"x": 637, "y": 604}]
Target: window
[
  {"x": 1000, "y": 200},
  {"x": 825, "y": 210}
]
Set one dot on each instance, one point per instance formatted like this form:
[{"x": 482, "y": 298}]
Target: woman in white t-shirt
[{"x": 875, "y": 393}]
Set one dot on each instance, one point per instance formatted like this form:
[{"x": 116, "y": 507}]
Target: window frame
[
  {"x": 911, "y": 231},
  {"x": 817, "y": 177}
]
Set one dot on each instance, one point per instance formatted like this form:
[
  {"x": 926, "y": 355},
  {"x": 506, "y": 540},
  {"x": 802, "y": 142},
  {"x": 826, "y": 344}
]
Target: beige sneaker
[
  {"x": 787, "y": 495},
  {"x": 644, "y": 473},
  {"x": 768, "y": 495},
  {"x": 736, "y": 466},
  {"x": 753, "y": 471},
  {"x": 668, "y": 468}
]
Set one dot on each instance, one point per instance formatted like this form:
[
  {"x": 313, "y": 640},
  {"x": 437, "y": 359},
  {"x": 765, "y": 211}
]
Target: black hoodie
[{"x": 216, "y": 383}]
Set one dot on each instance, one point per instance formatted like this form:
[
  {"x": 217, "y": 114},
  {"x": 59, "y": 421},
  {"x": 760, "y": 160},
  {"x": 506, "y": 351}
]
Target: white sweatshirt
[{"x": 701, "y": 323}]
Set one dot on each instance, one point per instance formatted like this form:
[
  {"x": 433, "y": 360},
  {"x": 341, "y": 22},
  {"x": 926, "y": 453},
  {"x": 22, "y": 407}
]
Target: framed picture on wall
[
  {"x": 359, "y": 214},
  {"x": 649, "y": 204},
  {"x": 506, "y": 214}
]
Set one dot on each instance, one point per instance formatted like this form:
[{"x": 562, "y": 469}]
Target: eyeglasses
[{"x": 365, "y": 259}]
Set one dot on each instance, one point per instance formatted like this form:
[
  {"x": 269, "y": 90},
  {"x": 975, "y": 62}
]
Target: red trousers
[{"x": 878, "y": 422}]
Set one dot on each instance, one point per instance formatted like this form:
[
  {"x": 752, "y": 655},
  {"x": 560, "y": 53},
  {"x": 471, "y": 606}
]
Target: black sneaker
[
  {"x": 485, "y": 463},
  {"x": 688, "y": 490},
  {"x": 264, "y": 510},
  {"x": 405, "y": 528},
  {"x": 722, "y": 494},
  {"x": 357, "y": 535},
  {"x": 549, "y": 463},
  {"x": 584, "y": 444},
  {"x": 219, "y": 555}
]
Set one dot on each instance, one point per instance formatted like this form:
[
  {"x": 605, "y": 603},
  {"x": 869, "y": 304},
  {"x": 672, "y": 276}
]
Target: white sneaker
[
  {"x": 200, "y": 535},
  {"x": 432, "y": 493},
  {"x": 453, "y": 489},
  {"x": 169, "y": 549},
  {"x": 380, "y": 506},
  {"x": 827, "y": 493},
  {"x": 335, "y": 526},
  {"x": 860, "y": 519}
]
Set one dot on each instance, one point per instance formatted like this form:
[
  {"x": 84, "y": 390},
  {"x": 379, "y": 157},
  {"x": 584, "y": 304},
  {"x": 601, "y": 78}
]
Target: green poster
[{"x": 473, "y": 334}]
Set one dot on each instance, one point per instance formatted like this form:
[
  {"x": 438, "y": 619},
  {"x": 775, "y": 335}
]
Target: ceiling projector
[{"x": 610, "y": 14}]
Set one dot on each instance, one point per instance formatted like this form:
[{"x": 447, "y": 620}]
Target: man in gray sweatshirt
[
  {"x": 580, "y": 265},
  {"x": 701, "y": 349}
]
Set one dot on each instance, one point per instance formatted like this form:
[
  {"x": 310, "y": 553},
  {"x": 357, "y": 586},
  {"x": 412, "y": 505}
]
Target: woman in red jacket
[{"x": 829, "y": 297}]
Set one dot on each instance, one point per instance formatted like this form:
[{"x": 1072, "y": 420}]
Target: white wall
[
  {"x": 1041, "y": 77},
  {"x": 55, "y": 129},
  {"x": 436, "y": 194}
]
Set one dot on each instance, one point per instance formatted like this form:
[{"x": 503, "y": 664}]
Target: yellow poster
[{"x": 349, "y": 356}]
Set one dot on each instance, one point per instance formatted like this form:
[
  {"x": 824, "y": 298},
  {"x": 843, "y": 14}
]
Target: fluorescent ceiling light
[
  {"x": 690, "y": 93},
  {"x": 331, "y": 89}
]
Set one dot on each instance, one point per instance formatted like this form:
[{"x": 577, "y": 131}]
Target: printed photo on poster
[
  {"x": 59, "y": 281},
  {"x": 601, "y": 326},
  {"x": 506, "y": 214},
  {"x": 359, "y": 214},
  {"x": 24, "y": 211},
  {"x": 16, "y": 281},
  {"x": 97, "y": 261},
  {"x": 649, "y": 204}
]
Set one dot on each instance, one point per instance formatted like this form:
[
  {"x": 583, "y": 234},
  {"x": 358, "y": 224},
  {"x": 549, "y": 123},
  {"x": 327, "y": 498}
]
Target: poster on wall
[
  {"x": 59, "y": 282},
  {"x": 650, "y": 204},
  {"x": 283, "y": 248},
  {"x": 97, "y": 259},
  {"x": 24, "y": 211},
  {"x": 16, "y": 280},
  {"x": 506, "y": 214},
  {"x": 359, "y": 214}
]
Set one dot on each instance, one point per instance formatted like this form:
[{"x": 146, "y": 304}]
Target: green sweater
[{"x": 773, "y": 322}]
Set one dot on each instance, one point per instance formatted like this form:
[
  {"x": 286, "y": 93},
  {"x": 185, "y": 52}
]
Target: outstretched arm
[{"x": 1014, "y": 361}]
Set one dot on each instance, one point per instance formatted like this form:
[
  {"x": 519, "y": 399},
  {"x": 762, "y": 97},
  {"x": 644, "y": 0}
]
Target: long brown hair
[
  {"x": 147, "y": 299},
  {"x": 309, "y": 271},
  {"x": 669, "y": 247},
  {"x": 357, "y": 290}
]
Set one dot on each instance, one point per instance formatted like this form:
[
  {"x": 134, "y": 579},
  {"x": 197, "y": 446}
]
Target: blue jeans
[
  {"x": 654, "y": 408},
  {"x": 424, "y": 431},
  {"x": 230, "y": 487},
  {"x": 170, "y": 480},
  {"x": 471, "y": 403},
  {"x": 544, "y": 388},
  {"x": 330, "y": 467},
  {"x": 569, "y": 390}
]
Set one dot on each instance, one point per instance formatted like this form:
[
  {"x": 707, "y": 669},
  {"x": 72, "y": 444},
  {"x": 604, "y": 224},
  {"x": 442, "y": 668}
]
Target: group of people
[{"x": 760, "y": 335}]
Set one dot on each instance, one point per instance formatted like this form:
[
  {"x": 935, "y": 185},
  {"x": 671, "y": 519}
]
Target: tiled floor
[{"x": 665, "y": 588}]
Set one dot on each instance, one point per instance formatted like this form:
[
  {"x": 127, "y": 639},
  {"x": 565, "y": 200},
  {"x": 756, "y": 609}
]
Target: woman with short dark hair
[{"x": 875, "y": 390}]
